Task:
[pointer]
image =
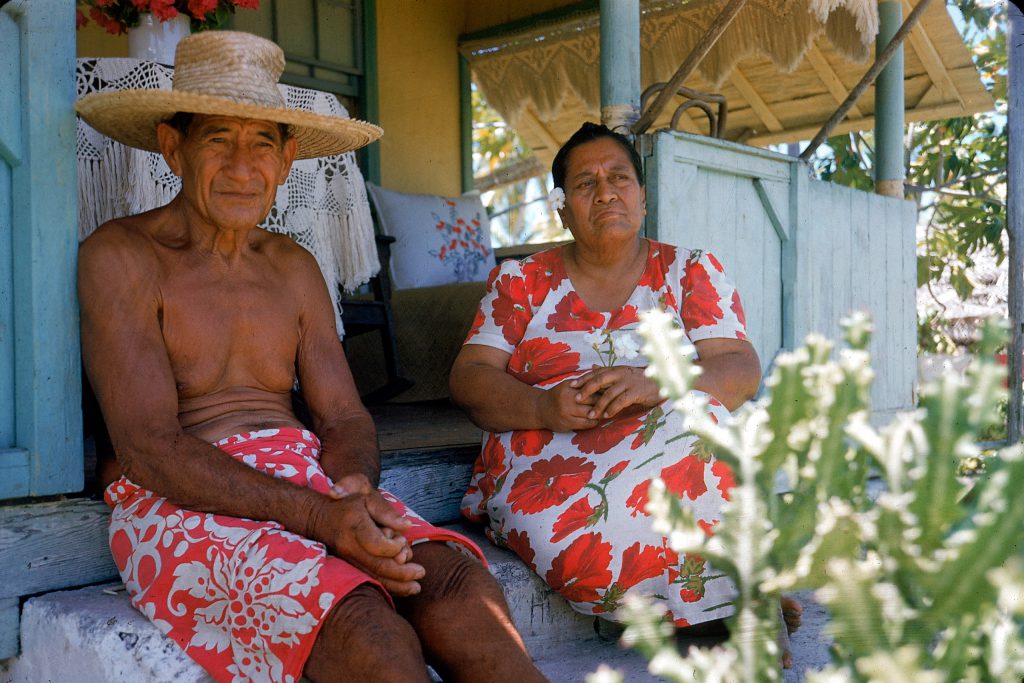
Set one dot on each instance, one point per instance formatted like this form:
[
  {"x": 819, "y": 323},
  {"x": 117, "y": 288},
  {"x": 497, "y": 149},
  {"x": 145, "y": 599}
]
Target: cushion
[{"x": 438, "y": 240}]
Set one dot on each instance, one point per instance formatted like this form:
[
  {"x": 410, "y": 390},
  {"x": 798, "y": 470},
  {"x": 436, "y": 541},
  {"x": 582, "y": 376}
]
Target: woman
[{"x": 576, "y": 430}]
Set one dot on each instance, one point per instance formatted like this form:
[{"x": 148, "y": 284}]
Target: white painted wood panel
[{"x": 831, "y": 249}]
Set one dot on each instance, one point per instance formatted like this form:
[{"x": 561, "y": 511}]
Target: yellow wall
[
  {"x": 418, "y": 66},
  {"x": 95, "y": 42}
]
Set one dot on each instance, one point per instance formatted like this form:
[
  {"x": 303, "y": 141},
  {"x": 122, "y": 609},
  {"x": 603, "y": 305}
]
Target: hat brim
[{"x": 131, "y": 116}]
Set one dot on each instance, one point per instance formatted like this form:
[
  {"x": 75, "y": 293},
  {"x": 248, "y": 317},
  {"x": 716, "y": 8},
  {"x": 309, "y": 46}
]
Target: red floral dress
[{"x": 571, "y": 504}]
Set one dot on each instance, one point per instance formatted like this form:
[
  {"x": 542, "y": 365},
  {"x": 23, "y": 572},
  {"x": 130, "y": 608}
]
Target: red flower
[
  {"x": 474, "y": 329},
  {"x": 164, "y": 10},
  {"x": 638, "y": 499},
  {"x": 491, "y": 464},
  {"x": 581, "y": 570},
  {"x": 726, "y": 480},
  {"x": 530, "y": 441},
  {"x": 615, "y": 471},
  {"x": 640, "y": 565},
  {"x": 686, "y": 477},
  {"x": 658, "y": 262},
  {"x": 509, "y": 311},
  {"x": 714, "y": 262},
  {"x": 519, "y": 543},
  {"x": 627, "y": 315},
  {"x": 80, "y": 19},
  {"x": 579, "y": 515},
  {"x": 607, "y": 435},
  {"x": 537, "y": 360},
  {"x": 248, "y": 4},
  {"x": 737, "y": 308},
  {"x": 543, "y": 275},
  {"x": 549, "y": 482},
  {"x": 692, "y": 595},
  {"x": 700, "y": 301},
  {"x": 111, "y": 26},
  {"x": 707, "y": 527},
  {"x": 571, "y": 314},
  {"x": 200, "y": 8},
  {"x": 671, "y": 562}
]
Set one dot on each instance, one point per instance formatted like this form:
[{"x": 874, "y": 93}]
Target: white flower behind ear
[{"x": 556, "y": 199}]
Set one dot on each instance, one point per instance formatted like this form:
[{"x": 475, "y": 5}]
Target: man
[{"x": 269, "y": 554}]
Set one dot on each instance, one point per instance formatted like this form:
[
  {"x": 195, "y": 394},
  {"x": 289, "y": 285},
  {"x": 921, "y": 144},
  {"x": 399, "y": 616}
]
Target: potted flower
[
  {"x": 117, "y": 16},
  {"x": 154, "y": 27}
]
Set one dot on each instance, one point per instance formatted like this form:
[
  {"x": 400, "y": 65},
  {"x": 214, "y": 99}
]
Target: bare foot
[{"x": 791, "y": 615}]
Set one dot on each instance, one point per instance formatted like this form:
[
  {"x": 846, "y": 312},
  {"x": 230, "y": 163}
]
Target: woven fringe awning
[{"x": 545, "y": 80}]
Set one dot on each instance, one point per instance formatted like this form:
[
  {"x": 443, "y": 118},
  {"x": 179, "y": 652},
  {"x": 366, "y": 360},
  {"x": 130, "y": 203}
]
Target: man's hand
[
  {"x": 358, "y": 524},
  {"x": 561, "y": 409},
  {"x": 614, "y": 389}
]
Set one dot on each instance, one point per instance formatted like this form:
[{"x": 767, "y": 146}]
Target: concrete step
[{"x": 94, "y": 634}]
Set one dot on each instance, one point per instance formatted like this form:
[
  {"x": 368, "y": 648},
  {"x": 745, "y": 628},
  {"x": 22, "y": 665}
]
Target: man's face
[{"x": 229, "y": 167}]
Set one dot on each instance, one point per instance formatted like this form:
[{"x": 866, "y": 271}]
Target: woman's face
[{"x": 604, "y": 201}]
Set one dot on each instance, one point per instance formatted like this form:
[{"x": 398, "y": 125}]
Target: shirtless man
[{"x": 263, "y": 561}]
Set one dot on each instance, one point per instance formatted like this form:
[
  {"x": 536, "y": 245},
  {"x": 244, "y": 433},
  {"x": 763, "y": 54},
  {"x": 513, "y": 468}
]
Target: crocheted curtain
[{"x": 551, "y": 71}]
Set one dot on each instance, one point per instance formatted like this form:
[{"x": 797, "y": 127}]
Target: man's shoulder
[
  {"x": 122, "y": 239},
  {"x": 286, "y": 252}
]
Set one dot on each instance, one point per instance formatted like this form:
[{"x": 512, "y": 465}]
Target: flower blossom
[{"x": 556, "y": 198}]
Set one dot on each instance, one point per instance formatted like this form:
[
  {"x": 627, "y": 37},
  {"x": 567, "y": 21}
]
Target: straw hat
[{"x": 222, "y": 73}]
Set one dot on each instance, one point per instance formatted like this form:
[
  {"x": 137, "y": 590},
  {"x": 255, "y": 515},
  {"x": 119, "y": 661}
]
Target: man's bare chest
[{"x": 227, "y": 331}]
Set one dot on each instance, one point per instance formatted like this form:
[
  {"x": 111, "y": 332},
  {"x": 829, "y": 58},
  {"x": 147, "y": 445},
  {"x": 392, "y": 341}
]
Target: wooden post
[
  {"x": 866, "y": 80},
  {"x": 1015, "y": 218},
  {"x": 703, "y": 46},
  {"x": 620, "y": 64},
  {"x": 889, "y": 105}
]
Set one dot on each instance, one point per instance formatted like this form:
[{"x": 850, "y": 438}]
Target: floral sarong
[{"x": 245, "y": 599}]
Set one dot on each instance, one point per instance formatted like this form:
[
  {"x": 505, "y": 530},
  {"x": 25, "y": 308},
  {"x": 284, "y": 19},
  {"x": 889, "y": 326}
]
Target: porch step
[{"x": 94, "y": 635}]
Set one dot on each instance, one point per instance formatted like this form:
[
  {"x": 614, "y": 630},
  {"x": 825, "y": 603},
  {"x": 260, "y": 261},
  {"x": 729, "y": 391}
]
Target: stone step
[{"x": 94, "y": 634}]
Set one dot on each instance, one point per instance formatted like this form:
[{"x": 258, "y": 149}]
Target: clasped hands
[
  {"x": 598, "y": 395},
  {"x": 360, "y": 526}
]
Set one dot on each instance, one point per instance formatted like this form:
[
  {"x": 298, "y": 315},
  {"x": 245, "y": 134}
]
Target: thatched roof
[{"x": 783, "y": 65}]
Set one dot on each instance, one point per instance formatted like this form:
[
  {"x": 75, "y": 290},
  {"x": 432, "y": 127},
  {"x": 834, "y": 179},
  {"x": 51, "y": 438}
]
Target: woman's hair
[{"x": 589, "y": 132}]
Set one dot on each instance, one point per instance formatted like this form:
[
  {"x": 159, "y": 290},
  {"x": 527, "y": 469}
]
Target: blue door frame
[{"x": 40, "y": 366}]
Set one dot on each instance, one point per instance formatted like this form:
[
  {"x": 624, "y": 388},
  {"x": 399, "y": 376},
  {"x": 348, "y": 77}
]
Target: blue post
[
  {"x": 620, "y": 63},
  {"x": 889, "y": 173}
]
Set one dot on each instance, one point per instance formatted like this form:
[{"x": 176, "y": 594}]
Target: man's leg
[
  {"x": 463, "y": 621},
  {"x": 363, "y": 639}
]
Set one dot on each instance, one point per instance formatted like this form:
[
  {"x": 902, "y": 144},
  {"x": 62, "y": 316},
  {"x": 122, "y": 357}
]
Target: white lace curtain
[
  {"x": 322, "y": 205},
  {"x": 551, "y": 70}
]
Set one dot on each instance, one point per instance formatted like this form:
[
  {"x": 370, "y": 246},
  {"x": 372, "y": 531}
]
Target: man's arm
[{"x": 127, "y": 363}]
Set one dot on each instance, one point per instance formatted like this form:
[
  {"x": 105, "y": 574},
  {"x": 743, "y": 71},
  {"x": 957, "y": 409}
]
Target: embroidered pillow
[{"x": 438, "y": 240}]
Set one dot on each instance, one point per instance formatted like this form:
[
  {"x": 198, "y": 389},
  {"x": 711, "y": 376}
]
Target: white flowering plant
[
  {"x": 613, "y": 345},
  {"x": 924, "y": 582}
]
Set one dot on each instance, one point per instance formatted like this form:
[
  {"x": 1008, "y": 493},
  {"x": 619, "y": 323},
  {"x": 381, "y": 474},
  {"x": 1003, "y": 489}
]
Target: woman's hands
[{"x": 611, "y": 390}]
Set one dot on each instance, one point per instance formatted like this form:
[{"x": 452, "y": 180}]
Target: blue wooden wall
[
  {"x": 803, "y": 253},
  {"x": 40, "y": 367}
]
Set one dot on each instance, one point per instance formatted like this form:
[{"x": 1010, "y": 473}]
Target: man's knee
[
  {"x": 365, "y": 614},
  {"x": 452, "y": 576},
  {"x": 362, "y": 633}
]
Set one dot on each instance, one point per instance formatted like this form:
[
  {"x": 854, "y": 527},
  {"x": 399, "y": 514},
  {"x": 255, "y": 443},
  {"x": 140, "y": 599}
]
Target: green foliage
[
  {"x": 955, "y": 168},
  {"x": 924, "y": 581},
  {"x": 519, "y": 211}
]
